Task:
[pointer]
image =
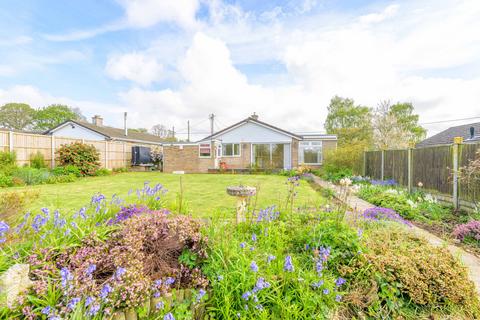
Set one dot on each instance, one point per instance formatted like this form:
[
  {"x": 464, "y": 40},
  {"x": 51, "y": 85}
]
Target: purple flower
[
  {"x": 326, "y": 291},
  {"x": 156, "y": 294},
  {"x": 317, "y": 284},
  {"x": 246, "y": 295},
  {"x": 4, "y": 227},
  {"x": 120, "y": 272},
  {"x": 94, "y": 308},
  {"x": 467, "y": 230},
  {"x": 254, "y": 237},
  {"x": 90, "y": 269},
  {"x": 169, "y": 281},
  {"x": 338, "y": 298},
  {"x": 270, "y": 258},
  {"x": 46, "y": 310},
  {"x": 201, "y": 294},
  {"x": 73, "y": 303},
  {"x": 260, "y": 285},
  {"x": 243, "y": 245},
  {"x": 66, "y": 276},
  {"x": 379, "y": 213},
  {"x": 106, "y": 289},
  {"x": 253, "y": 266},
  {"x": 259, "y": 307},
  {"x": 339, "y": 282},
  {"x": 168, "y": 316},
  {"x": 160, "y": 305},
  {"x": 288, "y": 266},
  {"x": 89, "y": 301}
]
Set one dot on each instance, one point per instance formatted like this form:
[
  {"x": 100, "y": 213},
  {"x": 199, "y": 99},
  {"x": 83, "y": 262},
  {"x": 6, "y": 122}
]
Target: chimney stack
[
  {"x": 97, "y": 120},
  {"x": 125, "y": 123},
  {"x": 254, "y": 116}
]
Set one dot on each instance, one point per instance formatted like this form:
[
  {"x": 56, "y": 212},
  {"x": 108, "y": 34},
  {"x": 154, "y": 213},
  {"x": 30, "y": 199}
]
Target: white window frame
[
  {"x": 203, "y": 145},
  {"x": 301, "y": 154},
  {"x": 233, "y": 149}
]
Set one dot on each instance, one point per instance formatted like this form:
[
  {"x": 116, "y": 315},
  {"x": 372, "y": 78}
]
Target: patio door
[{"x": 268, "y": 155}]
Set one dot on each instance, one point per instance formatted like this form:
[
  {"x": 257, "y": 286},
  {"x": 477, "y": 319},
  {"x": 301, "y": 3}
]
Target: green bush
[
  {"x": 31, "y": 176},
  {"x": 347, "y": 157},
  {"x": 121, "y": 169},
  {"x": 37, "y": 161},
  {"x": 7, "y": 158},
  {"x": 81, "y": 155},
  {"x": 5, "y": 181},
  {"x": 61, "y": 178},
  {"x": 66, "y": 170},
  {"x": 103, "y": 172}
]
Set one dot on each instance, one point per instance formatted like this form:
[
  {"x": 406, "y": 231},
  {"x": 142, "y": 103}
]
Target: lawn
[{"x": 203, "y": 193}]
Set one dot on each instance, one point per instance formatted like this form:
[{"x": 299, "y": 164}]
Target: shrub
[
  {"x": 37, "y": 161},
  {"x": 103, "y": 172},
  {"x": 5, "y": 181},
  {"x": 66, "y": 170},
  {"x": 347, "y": 157},
  {"x": 83, "y": 156},
  {"x": 31, "y": 176},
  {"x": 13, "y": 203},
  {"x": 119, "y": 170},
  {"x": 400, "y": 269},
  {"x": 7, "y": 158},
  {"x": 468, "y": 232},
  {"x": 61, "y": 178}
]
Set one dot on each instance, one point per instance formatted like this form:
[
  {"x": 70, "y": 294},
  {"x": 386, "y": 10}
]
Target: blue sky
[{"x": 168, "y": 61}]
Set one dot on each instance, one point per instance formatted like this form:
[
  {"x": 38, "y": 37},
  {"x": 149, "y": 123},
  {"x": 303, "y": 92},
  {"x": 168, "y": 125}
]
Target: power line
[{"x": 451, "y": 120}]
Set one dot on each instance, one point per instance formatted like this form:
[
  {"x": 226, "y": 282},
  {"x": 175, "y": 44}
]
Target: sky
[{"x": 169, "y": 61}]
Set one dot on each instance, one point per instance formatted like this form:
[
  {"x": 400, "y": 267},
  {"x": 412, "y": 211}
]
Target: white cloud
[
  {"x": 388, "y": 12},
  {"x": 136, "y": 67},
  {"x": 146, "y": 13}
]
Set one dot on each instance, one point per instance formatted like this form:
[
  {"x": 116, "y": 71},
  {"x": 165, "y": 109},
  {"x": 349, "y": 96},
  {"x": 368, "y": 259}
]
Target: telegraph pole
[
  {"x": 188, "y": 130},
  {"x": 173, "y": 131}
]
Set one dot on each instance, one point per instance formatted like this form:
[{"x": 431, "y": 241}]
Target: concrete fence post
[
  {"x": 10, "y": 141},
  {"x": 52, "y": 162},
  {"x": 382, "y": 173},
  {"x": 456, "y": 149},
  {"x": 410, "y": 169}
]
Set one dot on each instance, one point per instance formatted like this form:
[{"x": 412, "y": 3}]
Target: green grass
[{"x": 203, "y": 193}]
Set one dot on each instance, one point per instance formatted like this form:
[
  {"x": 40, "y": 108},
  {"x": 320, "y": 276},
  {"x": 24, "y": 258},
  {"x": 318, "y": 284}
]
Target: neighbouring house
[
  {"x": 98, "y": 131},
  {"x": 469, "y": 132},
  {"x": 250, "y": 143}
]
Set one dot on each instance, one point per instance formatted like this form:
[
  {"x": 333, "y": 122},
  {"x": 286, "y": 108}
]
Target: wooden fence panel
[
  {"x": 468, "y": 191},
  {"x": 433, "y": 168},
  {"x": 26, "y": 145},
  {"x": 4, "y": 138},
  {"x": 396, "y": 166},
  {"x": 373, "y": 164}
]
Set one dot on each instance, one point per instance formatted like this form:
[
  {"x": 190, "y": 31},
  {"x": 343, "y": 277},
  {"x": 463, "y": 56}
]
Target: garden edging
[{"x": 468, "y": 259}]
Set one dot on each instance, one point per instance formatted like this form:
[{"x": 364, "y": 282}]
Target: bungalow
[
  {"x": 250, "y": 143},
  {"x": 469, "y": 133}
]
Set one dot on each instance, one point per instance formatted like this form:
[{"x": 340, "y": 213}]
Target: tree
[
  {"x": 161, "y": 131},
  {"x": 396, "y": 126},
  {"x": 16, "y": 116},
  {"x": 51, "y": 116}
]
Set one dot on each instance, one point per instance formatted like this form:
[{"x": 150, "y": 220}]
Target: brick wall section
[
  {"x": 241, "y": 162},
  {"x": 185, "y": 159}
]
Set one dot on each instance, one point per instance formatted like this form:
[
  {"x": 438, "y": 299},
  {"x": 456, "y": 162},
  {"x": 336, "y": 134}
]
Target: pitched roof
[
  {"x": 446, "y": 136},
  {"x": 114, "y": 133},
  {"x": 252, "y": 120}
]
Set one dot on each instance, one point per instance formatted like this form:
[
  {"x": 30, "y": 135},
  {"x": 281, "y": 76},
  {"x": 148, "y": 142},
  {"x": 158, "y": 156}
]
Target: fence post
[
  {"x": 52, "y": 162},
  {"x": 364, "y": 163},
  {"x": 410, "y": 169},
  {"x": 10, "y": 141},
  {"x": 456, "y": 144},
  {"x": 382, "y": 174}
]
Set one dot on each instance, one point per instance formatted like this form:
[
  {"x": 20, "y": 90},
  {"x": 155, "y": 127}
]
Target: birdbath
[{"x": 242, "y": 193}]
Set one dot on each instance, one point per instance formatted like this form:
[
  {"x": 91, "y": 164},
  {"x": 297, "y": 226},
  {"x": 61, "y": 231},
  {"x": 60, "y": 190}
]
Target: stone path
[{"x": 468, "y": 259}]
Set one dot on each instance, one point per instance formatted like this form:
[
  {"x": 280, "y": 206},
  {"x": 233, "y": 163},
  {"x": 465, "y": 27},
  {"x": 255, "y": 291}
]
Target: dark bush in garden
[{"x": 81, "y": 155}]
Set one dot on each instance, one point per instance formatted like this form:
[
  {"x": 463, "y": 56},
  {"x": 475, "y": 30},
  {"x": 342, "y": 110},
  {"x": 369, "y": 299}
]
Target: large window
[
  {"x": 205, "y": 150},
  {"x": 231, "y": 149},
  {"x": 310, "y": 152},
  {"x": 268, "y": 156}
]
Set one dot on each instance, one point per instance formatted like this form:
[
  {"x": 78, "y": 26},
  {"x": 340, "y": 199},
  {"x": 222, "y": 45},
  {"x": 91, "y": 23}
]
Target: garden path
[{"x": 468, "y": 259}]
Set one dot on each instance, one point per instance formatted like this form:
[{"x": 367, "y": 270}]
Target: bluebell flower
[
  {"x": 201, "y": 294},
  {"x": 106, "y": 289},
  {"x": 94, "y": 308},
  {"x": 253, "y": 266},
  {"x": 169, "y": 281},
  {"x": 156, "y": 294},
  {"x": 259, "y": 307},
  {"x": 66, "y": 276},
  {"x": 339, "y": 282},
  {"x": 88, "y": 301},
  {"x": 91, "y": 268},
  {"x": 46, "y": 310},
  {"x": 168, "y": 316},
  {"x": 338, "y": 298},
  {"x": 120, "y": 272},
  {"x": 288, "y": 266},
  {"x": 160, "y": 305},
  {"x": 254, "y": 237},
  {"x": 270, "y": 258},
  {"x": 246, "y": 295},
  {"x": 157, "y": 283},
  {"x": 326, "y": 291},
  {"x": 317, "y": 284},
  {"x": 73, "y": 303},
  {"x": 261, "y": 284},
  {"x": 242, "y": 245},
  {"x": 219, "y": 277}
]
